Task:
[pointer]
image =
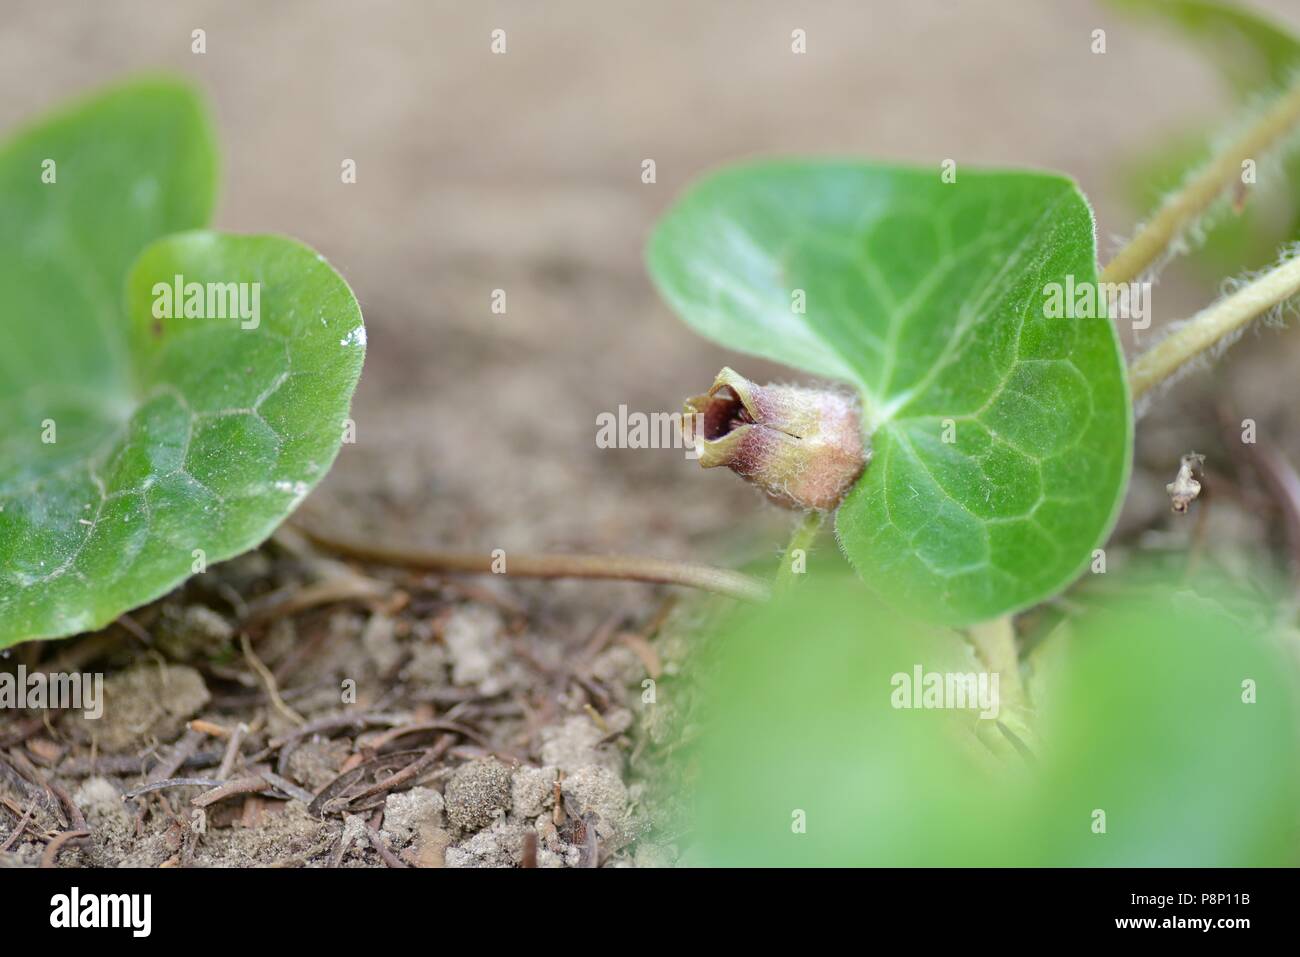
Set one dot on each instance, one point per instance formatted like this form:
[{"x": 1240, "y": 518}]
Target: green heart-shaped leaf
[
  {"x": 1001, "y": 438},
  {"x": 139, "y": 444}
]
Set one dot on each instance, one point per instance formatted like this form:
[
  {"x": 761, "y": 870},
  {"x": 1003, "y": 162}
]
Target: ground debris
[
  {"x": 148, "y": 702},
  {"x": 599, "y": 796},
  {"x": 1185, "y": 488},
  {"x": 477, "y": 793},
  {"x": 408, "y": 813},
  {"x": 466, "y": 719}
]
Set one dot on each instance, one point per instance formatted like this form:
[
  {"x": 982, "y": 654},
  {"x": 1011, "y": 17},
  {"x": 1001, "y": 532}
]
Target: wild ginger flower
[{"x": 802, "y": 447}]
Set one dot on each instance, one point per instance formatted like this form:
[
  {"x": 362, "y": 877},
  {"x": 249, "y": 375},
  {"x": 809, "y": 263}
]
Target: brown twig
[
  {"x": 268, "y": 681},
  {"x": 335, "y": 722},
  {"x": 210, "y": 728},
  {"x": 720, "y": 581},
  {"x": 330, "y": 798},
  {"x": 163, "y": 785},
  {"x": 232, "y": 751},
  {"x": 129, "y": 764},
  {"x": 25, "y": 779},
  {"x": 416, "y": 727},
  {"x": 287, "y": 744},
  {"x": 247, "y": 785},
  {"x": 75, "y": 816},
  {"x": 287, "y": 786},
  {"x": 382, "y": 847},
  {"x": 52, "y": 849},
  {"x": 408, "y": 773},
  {"x": 290, "y": 601},
  {"x": 183, "y": 750},
  {"x": 645, "y": 652},
  {"x": 17, "y": 811},
  {"x": 22, "y": 824}
]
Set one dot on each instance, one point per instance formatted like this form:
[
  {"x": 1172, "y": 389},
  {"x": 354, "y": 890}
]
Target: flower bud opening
[{"x": 803, "y": 447}]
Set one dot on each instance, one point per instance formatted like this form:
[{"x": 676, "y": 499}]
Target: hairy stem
[
  {"x": 721, "y": 581},
  {"x": 1212, "y": 324},
  {"x": 801, "y": 541},
  {"x": 995, "y": 644},
  {"x": 1184, "y": 206}
]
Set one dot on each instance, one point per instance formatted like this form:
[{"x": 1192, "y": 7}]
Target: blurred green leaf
[
  {"x": 135, "y": 447},
  {"x": 800, "y": 733},
  {"x": 1251, "y": 51},
  {"x": 1147, "y": 724},
  {"x": 929, "y": 297},
  {"x": 1143, "y": 719}
]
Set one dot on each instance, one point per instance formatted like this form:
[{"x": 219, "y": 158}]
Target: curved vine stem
[
  {"x": 720, "y": 581},
  {"x": 1211, "y": 325},
  {"x": 1195, "y": 196}
]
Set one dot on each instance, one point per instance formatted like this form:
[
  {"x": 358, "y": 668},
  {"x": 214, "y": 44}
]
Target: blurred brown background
[{"x": 522, "y": 172}]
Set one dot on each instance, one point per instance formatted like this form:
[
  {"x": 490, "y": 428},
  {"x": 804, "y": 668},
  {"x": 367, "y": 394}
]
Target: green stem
[
  {"x": 805, "y": 533},
  {"x": 995, "y": 644},
  {"x": 1211, "y": 325},
  {"x": 1195, "y": 196}
]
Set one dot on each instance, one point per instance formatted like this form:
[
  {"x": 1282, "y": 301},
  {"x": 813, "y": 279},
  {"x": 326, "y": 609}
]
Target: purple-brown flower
[{"x": 802, "y": 447}]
